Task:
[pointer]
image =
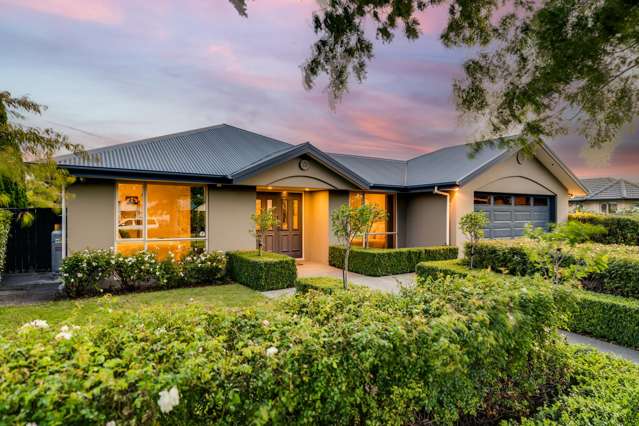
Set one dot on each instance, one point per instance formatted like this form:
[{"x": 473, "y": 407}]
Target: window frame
[
  {"x": 391, "y": 219},
  {"x": 145, "y": 240}
]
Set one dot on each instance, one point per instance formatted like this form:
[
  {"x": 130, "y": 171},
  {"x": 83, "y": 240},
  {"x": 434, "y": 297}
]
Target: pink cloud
[{"x": 100, "y": 11}]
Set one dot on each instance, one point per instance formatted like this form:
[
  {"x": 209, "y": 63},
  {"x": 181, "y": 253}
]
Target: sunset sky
[{"x": 112, "y": 71}]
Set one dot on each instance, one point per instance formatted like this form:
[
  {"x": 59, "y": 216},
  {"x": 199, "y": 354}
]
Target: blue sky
[{"x": 111, "y": 71}]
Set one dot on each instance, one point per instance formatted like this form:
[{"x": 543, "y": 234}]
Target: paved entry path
[
  {"x": 602, "y": 346},
  {"x": 390, "y": 283},
  {"x": 20, "y": 289}
]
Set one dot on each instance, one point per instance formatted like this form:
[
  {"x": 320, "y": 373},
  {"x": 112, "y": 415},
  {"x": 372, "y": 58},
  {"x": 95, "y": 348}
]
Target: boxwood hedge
[
  {"x": 323, "y": 284},
  {"x": 621, "y": 277},
  {"x": 621, "y": 229},
  {"x": 270, "y": 271},
  {"x": 608, "y": 317},
  {"x": 381, "y": 262},
  {"x": 457, "y": 351}
]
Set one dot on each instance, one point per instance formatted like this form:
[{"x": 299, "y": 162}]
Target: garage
[{"x": 510, "y": 213}]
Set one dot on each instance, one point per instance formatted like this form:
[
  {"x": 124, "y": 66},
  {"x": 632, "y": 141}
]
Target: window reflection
[{"x": 130, "y": 211}]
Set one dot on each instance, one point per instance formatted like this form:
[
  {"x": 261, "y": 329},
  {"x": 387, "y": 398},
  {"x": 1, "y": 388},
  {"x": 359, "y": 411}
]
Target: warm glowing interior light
[
  {"x": 269, "y": 187},
  {"x": 305, "y": 189}
]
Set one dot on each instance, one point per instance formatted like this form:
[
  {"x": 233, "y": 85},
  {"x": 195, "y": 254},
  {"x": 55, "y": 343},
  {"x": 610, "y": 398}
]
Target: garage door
[{"x": 509, "y": 213}]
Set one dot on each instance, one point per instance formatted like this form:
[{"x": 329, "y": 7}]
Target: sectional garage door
[{"x": 509, "y": 213}]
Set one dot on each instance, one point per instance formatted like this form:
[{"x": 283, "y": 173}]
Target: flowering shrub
[
  {"x": 203, "y": 267},
  {"x": 91, "y": 271},
  {"x": 84, "y": 271},
  {"x": 454, "y": 351},
  {"x": 5, "y": 226}
]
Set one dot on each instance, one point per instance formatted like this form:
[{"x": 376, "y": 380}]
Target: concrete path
[
  {"x": 610, "y": 348},
  {"x": 390, "y": 284},
  {"x": 20, "y": 289}
]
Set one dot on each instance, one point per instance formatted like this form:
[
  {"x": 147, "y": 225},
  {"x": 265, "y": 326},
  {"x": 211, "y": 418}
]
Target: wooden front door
[{"x": 287, "y": 237}]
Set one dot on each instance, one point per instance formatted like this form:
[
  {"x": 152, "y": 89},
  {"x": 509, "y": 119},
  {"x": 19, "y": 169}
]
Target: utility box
[{"x": 56, "y": 250}]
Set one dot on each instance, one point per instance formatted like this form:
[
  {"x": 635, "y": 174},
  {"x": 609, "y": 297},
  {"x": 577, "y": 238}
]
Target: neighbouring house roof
[
  {"x": 227, "y": 154},
  {"x": 609, "y": 188}
]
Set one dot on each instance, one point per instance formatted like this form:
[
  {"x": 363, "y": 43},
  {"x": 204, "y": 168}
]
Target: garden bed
[
  {"x": 382, "y": 262},
  {"x": 270, "y": 271}
]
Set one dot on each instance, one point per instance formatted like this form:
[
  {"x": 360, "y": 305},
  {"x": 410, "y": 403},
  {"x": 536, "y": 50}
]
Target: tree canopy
[
  {"x": 541, "y": 68},
  {"x": 27, "y": 164}
]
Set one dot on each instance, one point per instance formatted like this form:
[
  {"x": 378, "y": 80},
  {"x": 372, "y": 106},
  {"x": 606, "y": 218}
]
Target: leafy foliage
[
  {"x": 540, "y": 68},
  {"x": 5, "y": 227},
  {"x": 268, "y": 271},
  {"x": 264, "y": 220},
  {"x": 381, "y": 262},
  {"x": 619, "y": 229},
  {"x": 472, "y": 226},
  {"x": 91, "y": 272},
  {"x": 349, "y": 223},
  {"x": 27, "y": 153},
  {"x": 323, "y": 284},
  {"x": 453, "y": 351}
]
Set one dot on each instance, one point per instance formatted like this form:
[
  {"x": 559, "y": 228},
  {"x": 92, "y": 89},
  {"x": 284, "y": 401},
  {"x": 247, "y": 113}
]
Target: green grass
[{"x": 85, "y": 311}]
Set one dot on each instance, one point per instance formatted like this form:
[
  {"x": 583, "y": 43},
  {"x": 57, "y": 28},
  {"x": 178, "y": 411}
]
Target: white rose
[
  {"x": 272, "y": 351},
  {"x": 168, "y": 399},
  {"x": 63, "y": 335}
]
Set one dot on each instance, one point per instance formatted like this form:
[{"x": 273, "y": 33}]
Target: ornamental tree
[
  {"x": 349, "y": 223},
  {"x": 264, "y": 220},
  {"x": 472, "y": 226}
]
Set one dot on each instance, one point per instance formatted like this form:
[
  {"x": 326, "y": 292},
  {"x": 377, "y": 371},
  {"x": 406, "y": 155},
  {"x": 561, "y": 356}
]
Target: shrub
[
  {"x": 612, "y": 318},
  {"x": 381, "y": 262},
  {"x": 454, "y": 351},
  {"x": 198, "y": 268},
  {"x": 603, "y": 390},
  {"x": 620, "y": 276},
  {"x": 84, "y": 271},
  {"x": 90, "y": 272},
  {"x": 621, "y": 229},
  {"x": 5, "y": 227},
  {"x": 323, "y": 284},
  {"x": 270, "y": 271}
]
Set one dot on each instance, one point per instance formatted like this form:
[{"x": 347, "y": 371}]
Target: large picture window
[
  {"x": 382, "y": 233},
  {"x": 160, "y": 217}
]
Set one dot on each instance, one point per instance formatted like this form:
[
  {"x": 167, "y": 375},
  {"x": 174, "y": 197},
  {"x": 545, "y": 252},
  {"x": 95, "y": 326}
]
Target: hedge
[
  {"x": 621, "y": 276},
  {"x": 323, "y": 284},
  {"x": 91, "y": 272},
  {"x": 459, "y": 351},
  {"x": 381, "y": 262},
  {"x": 621, "y": 229},
  {"x": 271, "y": 271},
  {"x": 5, "y": 227},
  {"x": 612, "y": 318}
]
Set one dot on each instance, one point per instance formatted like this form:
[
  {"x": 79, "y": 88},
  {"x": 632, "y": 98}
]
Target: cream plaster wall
[
  {"x": 91, "y": 216},
  {"x": 425, "y": 216},
  {"x": 229, "y": 213}
]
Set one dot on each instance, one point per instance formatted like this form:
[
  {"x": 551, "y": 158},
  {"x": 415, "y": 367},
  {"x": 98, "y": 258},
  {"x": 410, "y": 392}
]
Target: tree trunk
[{"x": 345, "y": 271}]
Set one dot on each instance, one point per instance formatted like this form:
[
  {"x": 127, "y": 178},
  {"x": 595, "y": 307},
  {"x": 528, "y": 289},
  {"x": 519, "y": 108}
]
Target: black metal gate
[{"x": 29, "y": 247}]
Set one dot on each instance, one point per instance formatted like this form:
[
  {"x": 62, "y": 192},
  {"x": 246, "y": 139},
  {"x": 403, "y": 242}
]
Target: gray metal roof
[
  {"x": 609, "y": 188},
  {"x": 228, "y": 154},
  {"x": 446, "y": 166},
  {"x": 211, "y": 151}
]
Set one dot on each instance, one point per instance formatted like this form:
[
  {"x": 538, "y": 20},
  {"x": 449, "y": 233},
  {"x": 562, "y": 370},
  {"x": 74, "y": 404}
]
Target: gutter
[{"x": 447, "y": 195}]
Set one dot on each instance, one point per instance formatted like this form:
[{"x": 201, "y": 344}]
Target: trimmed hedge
[
  {"x": 5, "y": 227},
  {"x": 381, "y": 262},
  {"x": 612, "y": 318},
  {"x": 271, "y": 271},
  {"x": 621, "y": 277},
  {"x": 621, "y": 229},
  {"x": 458, "y": 351},
  {"x": 324, "y": 284}
]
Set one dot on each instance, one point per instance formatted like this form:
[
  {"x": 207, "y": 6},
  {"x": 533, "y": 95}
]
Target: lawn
[{"x": 84, "y": 311}]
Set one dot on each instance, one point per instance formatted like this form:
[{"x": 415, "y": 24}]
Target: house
[
  {"x": 198, "y": 189},
  {"x": 607, "y": 195}
]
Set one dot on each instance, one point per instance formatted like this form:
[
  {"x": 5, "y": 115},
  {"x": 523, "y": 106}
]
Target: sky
[{"x": 112, "y": 71}]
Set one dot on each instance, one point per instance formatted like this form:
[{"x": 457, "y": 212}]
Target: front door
[{"x": 287, "y": 237}]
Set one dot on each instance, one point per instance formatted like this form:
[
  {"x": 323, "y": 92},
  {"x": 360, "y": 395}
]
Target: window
[
  {"x": 161, "y": 217},
  {"x": 382, "y": 232},
  {"x": 522, "y": 200},
  {"x": 612, "y": 207},
  {"x": 296, "y": 215},
  {"x": 502, "y": 200},
  {"x": 540, "y": 201},
  {"x": 604, "y": 208},
  {"x": 482, "y": 199}
]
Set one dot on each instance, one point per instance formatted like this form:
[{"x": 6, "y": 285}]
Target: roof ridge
[
  {"x": 368, "y": 157},
  {"x": 603, "y": 188}
]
